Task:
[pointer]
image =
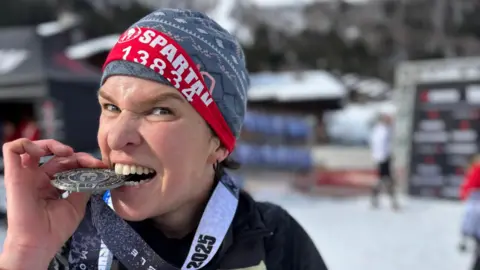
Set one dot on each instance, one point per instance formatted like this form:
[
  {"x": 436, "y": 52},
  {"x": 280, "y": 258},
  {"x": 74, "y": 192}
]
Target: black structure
[
  {"x": 445, "y": 135},
  {"x": 60, "y": 92}
]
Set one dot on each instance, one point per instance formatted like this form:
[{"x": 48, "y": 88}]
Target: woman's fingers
[
  {"x": 77, "y": 160},
  {"x": 22, "y": 183},
  {"x": 59, "y": 164},
  {"x": 54, "y": 147},
  {"x": 88, "y": 161},
  {"x": 13, "y": 152}
]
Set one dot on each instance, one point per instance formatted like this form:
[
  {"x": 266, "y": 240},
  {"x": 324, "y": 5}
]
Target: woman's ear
[{"x": 218, "y": 153}]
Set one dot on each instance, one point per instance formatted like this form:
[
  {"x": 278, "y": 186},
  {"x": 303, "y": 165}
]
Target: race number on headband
[{"x": 160, "y": 53}]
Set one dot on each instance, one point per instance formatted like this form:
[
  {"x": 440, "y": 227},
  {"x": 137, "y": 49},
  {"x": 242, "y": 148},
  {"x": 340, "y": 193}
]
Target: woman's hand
[{"x": 39, "y": 220}]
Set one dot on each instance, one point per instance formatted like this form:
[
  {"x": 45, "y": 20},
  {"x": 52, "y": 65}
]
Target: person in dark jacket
[{"x": 173, "y": 99}]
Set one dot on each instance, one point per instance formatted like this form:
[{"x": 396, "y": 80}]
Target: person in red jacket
[
  {"x": 472, "y": 178},
  {"x": 470, "y": 193}
]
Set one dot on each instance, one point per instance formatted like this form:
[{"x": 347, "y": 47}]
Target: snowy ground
[{"x": 351, "y": 236}]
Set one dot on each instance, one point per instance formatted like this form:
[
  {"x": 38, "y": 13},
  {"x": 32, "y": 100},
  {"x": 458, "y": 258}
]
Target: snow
[
  {"x": 222, "y": 15},
  {"x": 338, "y": 157},
  {"x": 91, "y": 47},
  {"x": 283, "y": 3},
  {"x": 306, "y": 85},
  {"x": 372, "y": 87},
  {"x": 351, "y": 235},
  {"x": 65, "y": 22}
]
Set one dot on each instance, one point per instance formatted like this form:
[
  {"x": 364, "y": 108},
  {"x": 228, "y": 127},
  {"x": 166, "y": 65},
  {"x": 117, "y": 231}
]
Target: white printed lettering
[
  {"x": 473, "y": 93},
  {"x": 147, "y": 37},
  {"x": 206, "y": 98},
  {"x": 143, "y": 261},
  {"x": 443, "y": 95},
  {"x": 464, "y": 135},
  {"x": 191, "y": 75},
  {"x": 143, "y": 56},
  {"x": 180, "y": 64},
  {"x": 177, "y": 79},
  {"x": 198, "y": 87},
  {"x": 126, "y": 52},
  {"x": 169, "y": 51},
  {"x": 158, "y": 66},
  {"x": 159, "y": 40},
  {"x": 83, "y": 266},
  {"x": 188, "y": 93},
  {"x": 134, "y": 253},
  {"x": 84, "y": 255},
  {"x": 151, "y": 268}
]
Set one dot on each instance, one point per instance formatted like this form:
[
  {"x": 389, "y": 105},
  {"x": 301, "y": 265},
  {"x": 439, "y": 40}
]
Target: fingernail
[
  {"x": 63, "y": 160},
  {"x": 67, "y": 148}
]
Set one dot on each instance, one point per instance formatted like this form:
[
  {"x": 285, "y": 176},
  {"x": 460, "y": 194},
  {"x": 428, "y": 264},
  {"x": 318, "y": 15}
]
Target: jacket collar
[{"x": 247, "y": 223}]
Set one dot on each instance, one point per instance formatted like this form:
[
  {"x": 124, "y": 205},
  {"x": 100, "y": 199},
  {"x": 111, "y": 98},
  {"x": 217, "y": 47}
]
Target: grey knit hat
[{"x": 216, "y": 52}]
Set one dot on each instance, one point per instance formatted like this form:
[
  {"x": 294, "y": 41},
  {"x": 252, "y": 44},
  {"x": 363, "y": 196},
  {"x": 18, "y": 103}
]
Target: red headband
[{"x": 159, "y": 52}]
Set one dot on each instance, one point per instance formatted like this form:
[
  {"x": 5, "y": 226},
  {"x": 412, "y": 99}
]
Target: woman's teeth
[
  {"x": 132, "y": 169},
  {"x": 140, "y": 174},
  {"x": 135, "y": 183}
]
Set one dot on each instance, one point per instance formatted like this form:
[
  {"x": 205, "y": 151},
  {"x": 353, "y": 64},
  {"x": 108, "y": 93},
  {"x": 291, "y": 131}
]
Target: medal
[{"x": 88, "y": 180}]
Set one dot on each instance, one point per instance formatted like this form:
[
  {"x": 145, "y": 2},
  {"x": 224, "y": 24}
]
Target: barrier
[{"x": 276, "y": 142}]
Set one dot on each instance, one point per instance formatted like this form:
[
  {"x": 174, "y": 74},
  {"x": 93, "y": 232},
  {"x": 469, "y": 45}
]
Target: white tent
[
  {"x": 295, "y": 86},
  {"x": 92, "y": 46}
]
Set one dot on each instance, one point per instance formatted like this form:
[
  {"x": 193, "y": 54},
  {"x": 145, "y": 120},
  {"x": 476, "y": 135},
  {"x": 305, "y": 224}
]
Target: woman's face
[{"x": 147, "y": 126}]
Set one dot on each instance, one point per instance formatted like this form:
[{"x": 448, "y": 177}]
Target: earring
[
  {"x": 217, "y": 170},
  {"x": 216, "y": 166}
]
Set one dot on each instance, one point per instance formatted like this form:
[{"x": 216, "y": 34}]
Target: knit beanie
[{"x": 191, "y": 52}]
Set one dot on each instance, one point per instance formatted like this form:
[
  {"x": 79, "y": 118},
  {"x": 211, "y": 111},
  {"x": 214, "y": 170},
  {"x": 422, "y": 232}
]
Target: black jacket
[{"x": 262, "y": 236}]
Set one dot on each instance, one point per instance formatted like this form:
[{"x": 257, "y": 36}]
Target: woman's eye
[
  {"x": 161, "y": 111},
  {"x": 110, "y": 108}
]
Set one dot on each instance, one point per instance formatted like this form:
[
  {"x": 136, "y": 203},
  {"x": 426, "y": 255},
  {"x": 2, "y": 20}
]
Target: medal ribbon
[{"x": 115, "y": 237}]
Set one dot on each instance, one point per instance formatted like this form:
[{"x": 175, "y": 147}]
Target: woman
[{"x": 173, "y": 99}]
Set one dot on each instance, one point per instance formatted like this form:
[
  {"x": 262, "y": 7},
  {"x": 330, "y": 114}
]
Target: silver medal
[{"x": 88, "y": 180}]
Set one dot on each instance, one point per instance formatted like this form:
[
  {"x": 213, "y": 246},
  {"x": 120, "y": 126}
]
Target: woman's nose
[{"x": 124, "y": 131}]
